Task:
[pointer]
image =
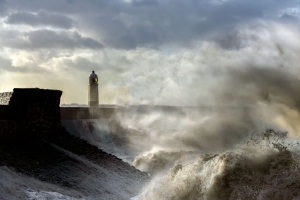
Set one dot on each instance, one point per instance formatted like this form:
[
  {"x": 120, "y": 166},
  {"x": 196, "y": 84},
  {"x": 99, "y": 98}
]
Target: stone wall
[
  {"x": 33, "y": 113},
  {"x": 36, "y": 104},
  {"x": 90, "y": 113},
  {"x": 4, "y": 98}
]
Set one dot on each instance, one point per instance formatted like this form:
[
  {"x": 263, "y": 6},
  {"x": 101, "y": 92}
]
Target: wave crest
[{"x": 264, "y": 167}]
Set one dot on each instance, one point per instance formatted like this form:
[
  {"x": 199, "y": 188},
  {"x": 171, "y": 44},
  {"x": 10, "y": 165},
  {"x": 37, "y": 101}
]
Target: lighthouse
[{"x": 93, "y": 90}]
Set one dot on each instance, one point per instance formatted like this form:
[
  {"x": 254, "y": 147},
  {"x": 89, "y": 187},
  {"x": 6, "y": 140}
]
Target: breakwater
[
  {"x": 69, "y": 113},
  {"x": 31, "y": 112},
  {"x": 39, "y": 159}
]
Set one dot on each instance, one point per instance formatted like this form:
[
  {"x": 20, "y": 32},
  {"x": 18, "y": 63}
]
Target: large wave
[
  {"x": 205, "y": 153},
  {"x": 235, "y": 93},
  {"x": 266, "y": 166}
]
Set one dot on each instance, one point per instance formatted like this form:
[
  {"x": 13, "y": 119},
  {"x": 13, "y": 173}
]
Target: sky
[{"x": 170, "y": 52}]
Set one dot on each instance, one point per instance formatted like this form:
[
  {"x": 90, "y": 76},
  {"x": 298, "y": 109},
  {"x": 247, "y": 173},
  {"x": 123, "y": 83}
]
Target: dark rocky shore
[
  {"x": 66, "y": 161},
  {"x": 45, "y": 151}
]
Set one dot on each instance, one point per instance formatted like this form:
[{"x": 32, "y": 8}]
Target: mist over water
[
  {"x": 219, "y": 148},
  {"x": 206, "y": 153}
]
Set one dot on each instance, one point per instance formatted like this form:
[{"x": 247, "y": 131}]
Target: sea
[{"x": 188, "y": 153}]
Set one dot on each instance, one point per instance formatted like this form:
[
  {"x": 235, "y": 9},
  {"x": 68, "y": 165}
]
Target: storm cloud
[
  {"x": 150, "y": 23},
  {"x": 41, "y": 18},
  {"x": 161, "y": 52},
  {"x": 40, "y": 39}
]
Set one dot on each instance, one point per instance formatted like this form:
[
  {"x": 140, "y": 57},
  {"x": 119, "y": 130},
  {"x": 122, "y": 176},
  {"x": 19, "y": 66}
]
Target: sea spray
[
  {"x": 161, "y": 161},
  {"x": 209, "y": 153},
  {"x": 263, "y": 167}
]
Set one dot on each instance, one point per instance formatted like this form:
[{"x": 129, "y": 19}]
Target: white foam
[{"x": 45, "y": 195}]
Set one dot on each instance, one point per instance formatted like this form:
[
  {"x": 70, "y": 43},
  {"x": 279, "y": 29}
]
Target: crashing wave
[
  {"x": 161, "y": 161},
  {"x": 264, "y": 167}
]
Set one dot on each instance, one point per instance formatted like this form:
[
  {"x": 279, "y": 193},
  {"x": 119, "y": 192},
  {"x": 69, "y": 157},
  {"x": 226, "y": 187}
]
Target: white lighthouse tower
[{"x": 93, "y": 90}]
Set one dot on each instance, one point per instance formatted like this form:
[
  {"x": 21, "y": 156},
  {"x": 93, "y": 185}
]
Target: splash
[
  {"x": 161, "y": 161},
  {"x": 40, "y": 195},
  {"x": 266, "y": 166}
]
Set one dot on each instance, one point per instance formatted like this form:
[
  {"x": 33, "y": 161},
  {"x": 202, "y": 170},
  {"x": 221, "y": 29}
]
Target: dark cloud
[
  {"x": 40, "y": 39},
  {"x": 152, "y": 23},
  {"x": 3, "y": 7},
  {"x": 42, "y": 18},
  {"x": 289, "y": 18},
  {"x": 144, "y": 2},
  {"x": 74, "y": 7}
]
